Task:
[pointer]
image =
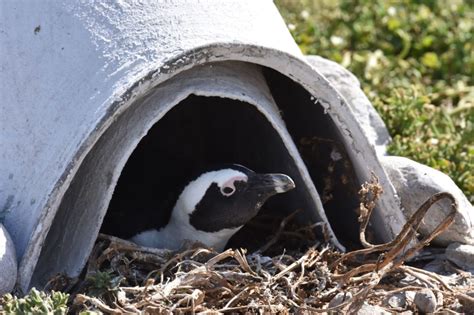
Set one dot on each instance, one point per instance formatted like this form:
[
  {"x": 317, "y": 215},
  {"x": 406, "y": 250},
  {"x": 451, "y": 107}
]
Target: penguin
[{"x": 214, "y": 206}]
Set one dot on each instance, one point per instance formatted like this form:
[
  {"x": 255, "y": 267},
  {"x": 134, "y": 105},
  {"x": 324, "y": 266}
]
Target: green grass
[
  {"x": 415, "y": 61},
  {"x": 36, "y": 302}
]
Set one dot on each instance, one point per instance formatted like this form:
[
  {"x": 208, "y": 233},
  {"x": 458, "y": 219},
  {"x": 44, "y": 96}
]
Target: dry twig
[{"x": 198, "y": 279}]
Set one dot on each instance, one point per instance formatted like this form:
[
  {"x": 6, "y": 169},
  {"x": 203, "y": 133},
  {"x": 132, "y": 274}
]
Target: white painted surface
[
  {"x": 60, "y": 81},
  {"x": 69, "y": 69}
]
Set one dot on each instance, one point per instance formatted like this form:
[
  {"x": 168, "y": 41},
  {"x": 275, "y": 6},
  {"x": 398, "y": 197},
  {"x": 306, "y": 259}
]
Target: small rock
[
  {"x": 415, "y": 183},
  {"x": 425, "y": 300},
  {"x": 340, "y": 298},
  {"x": 8, "y": 264},
  {"x": 367, "y": 309},
  {"x": 462, "y": 255},
  {"x": 397, "y": 300}
]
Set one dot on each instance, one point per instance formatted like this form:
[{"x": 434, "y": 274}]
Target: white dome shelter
[{"x": 104, "y": 96}]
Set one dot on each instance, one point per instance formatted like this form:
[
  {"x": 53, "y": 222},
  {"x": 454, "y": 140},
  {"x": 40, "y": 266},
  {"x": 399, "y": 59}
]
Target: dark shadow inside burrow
[{"x": 198, "y": 133}]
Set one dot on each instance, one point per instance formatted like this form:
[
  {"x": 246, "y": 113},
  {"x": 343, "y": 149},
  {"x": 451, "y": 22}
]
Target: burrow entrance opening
[
  {"x": 204, "y": 131},
  {"x": 198, "y": 132}
]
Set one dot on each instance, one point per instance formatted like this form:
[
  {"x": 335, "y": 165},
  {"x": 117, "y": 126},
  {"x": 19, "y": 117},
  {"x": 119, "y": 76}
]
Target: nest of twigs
[{"x": 122, "y": 277}]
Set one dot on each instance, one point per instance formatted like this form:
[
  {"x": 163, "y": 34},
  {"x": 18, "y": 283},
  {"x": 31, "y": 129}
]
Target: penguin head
[{"x": 227, "y": 198}]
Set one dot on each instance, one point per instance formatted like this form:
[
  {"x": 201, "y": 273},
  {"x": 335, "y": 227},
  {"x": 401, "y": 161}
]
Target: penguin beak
[{"x": 273, "y": 183}]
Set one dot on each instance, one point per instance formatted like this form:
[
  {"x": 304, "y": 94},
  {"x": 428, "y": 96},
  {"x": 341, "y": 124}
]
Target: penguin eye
[{"x": 227, "y": 191}]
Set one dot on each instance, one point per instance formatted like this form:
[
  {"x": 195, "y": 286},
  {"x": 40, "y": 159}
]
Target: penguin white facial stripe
[
  {"x": 222, "y": 178},
  {"x": 196, "y": 189}
]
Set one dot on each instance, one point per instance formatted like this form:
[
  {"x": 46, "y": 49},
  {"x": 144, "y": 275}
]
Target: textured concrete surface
[
  {"x": 415, "y": 183},
  {"x": 8, "y": 264},
  {"x": 71, "y": 69},
  {"x": 77, "y": 59}
]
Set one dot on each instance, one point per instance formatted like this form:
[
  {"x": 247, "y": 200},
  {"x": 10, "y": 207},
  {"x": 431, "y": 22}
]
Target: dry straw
[{"x": 197, "y": 279}]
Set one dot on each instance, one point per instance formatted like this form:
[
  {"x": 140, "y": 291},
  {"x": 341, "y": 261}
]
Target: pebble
[
  {"x": 397, "y": 300},
  {"x": 425, "y": 300}
]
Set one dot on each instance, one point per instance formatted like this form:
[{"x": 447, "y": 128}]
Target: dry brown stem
[{"x": 197, "y": 279}]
